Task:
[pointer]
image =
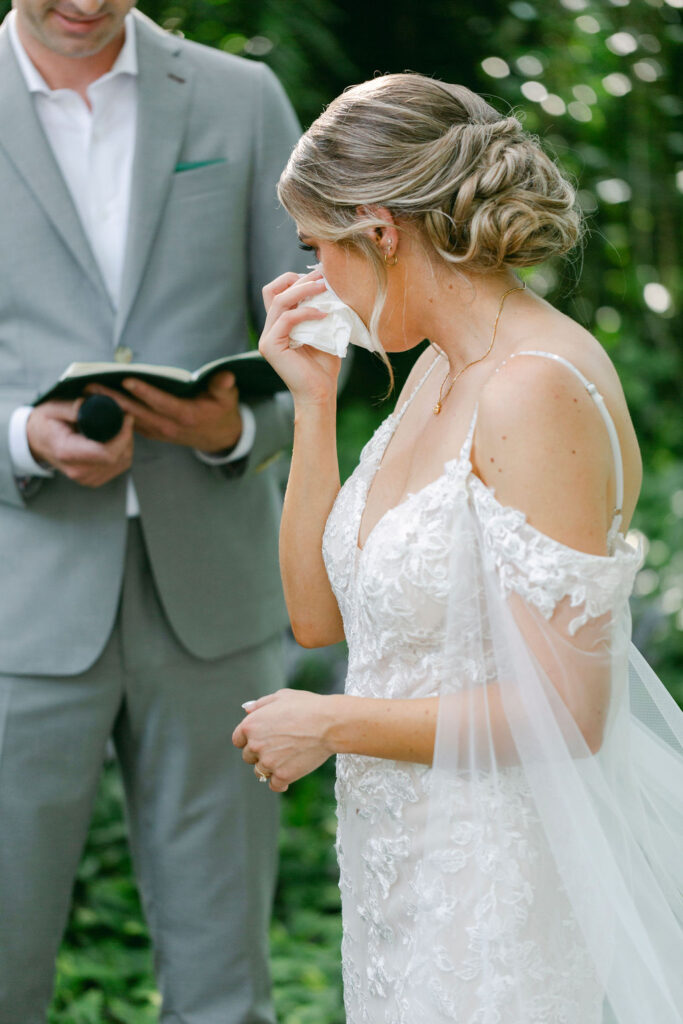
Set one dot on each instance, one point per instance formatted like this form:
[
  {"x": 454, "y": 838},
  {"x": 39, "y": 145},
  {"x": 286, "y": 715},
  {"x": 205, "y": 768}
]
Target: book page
[{"x": 76, "y": 370}]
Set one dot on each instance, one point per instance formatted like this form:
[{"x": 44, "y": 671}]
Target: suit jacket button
[{"x": 123, "y": 354}]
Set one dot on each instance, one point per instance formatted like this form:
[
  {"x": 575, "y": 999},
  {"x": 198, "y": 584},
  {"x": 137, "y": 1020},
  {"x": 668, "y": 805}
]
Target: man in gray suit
[{"x": 141, "y": 597}]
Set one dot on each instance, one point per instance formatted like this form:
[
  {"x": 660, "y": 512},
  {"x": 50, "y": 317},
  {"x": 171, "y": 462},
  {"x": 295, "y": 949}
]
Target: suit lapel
[
  {"x": 24, "y": 142},
  {"x": 164, "y": 90}
]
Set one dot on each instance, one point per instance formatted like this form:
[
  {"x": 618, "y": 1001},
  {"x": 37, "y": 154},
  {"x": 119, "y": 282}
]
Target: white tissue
[{"x": 341, "y": 327}]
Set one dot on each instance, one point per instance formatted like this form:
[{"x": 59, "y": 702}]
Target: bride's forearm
[
  {"x": 311, "y": 490},
  {"x": 398, "y": 730},
  {"x": 405, "y": 730}
]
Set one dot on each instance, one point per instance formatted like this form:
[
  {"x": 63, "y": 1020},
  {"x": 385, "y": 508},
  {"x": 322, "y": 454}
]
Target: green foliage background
[{"x": 598, "y": 81}]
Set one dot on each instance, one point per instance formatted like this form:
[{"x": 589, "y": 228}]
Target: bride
[{"x": 509, "y": 769}]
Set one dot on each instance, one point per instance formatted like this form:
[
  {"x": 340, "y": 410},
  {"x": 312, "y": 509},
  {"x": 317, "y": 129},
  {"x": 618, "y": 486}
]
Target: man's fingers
[
  {"x": 222, "y": 386},
  {"x": 156, "y": 399},
  {"x": 65, "y": 412}
]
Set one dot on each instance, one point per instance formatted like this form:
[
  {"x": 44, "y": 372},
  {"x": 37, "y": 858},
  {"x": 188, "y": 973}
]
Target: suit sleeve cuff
[
  {"x": 241, "y": 449},
  {"x": 23, "y": 463}
]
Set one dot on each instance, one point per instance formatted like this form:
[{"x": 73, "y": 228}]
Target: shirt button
[{"x": 123, "y": 354}]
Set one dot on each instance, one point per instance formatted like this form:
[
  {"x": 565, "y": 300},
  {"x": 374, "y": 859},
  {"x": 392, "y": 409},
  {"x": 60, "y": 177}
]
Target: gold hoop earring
[{"x": 390, "y": 260}]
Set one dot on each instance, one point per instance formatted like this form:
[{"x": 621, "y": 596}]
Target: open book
[{"x": 254, "y": 377}]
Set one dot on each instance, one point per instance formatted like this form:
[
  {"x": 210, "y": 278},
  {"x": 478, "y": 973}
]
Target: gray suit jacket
[{"x": 201, "y": 244}]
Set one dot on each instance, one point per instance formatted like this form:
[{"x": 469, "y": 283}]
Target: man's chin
[
  {"x": 67, "y": 46},
  {"x": 74, "y": 39}
]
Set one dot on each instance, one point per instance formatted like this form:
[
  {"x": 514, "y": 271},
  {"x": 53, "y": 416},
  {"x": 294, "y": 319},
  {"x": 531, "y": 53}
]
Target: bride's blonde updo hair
[{"x": 480, "y": 189}]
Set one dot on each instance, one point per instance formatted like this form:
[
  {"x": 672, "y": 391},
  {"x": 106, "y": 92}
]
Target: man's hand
[
  {"x": 53, "y": 439},
  {"x": 209, "y": 422}
]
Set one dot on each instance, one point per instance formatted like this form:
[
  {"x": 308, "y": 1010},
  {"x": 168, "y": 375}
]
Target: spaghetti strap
[
  {"x": 466, "y": 450},
  {"x": 398, "y": 413},
  {"x": 607, "y": 419}
]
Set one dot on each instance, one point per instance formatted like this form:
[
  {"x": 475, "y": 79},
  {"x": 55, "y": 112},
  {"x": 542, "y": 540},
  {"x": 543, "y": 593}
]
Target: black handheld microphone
[{"x": 100, "y": 418}]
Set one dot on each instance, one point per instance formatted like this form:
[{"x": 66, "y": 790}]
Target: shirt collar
[{"x": 125, "y": 64}]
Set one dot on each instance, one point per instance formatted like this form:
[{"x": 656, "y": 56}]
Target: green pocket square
[{"x": 194, "y": 165}]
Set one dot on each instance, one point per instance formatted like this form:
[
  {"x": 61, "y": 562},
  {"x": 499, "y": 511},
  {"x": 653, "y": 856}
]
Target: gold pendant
[{"x": 437, "y": 409}]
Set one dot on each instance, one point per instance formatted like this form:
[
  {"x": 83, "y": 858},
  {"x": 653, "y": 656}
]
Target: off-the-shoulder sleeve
[{"x": 543, "y": 571}]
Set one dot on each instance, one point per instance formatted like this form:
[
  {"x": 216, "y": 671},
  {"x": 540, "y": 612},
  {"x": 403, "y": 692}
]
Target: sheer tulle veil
[{"x": 562, "y": 750}]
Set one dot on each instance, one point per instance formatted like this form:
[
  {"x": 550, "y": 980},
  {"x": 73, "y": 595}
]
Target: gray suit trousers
[{"x": 203, "y": 831}]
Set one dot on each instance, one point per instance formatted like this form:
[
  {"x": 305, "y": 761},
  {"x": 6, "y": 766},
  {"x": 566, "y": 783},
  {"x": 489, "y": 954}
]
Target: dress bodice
[{"x": 393, "y": 592}]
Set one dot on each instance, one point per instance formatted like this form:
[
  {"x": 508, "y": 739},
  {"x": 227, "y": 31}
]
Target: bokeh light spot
[
  {"x": 553, "y": 104},
  {"x": 585, "y": 94},
  {"x": 529, "y": 65},
  {"x": 587, "y": 23},
  {"x": 495, "y": 67},
  {"x": 580, "y": 111},
  {"x": 523, "y": 10},
  {"x": 657, "y": 297},
  {"x": 608, "y": 319},
  {"x": 534, "y": 91},
  {"x": 646, "y": 582},
  {"x": 613, "y": 190},
  {"x": 621, "y": 43},
  {"x": 650, "y": 43},
  {"x": 617, "y": 84},
  {"x": 647, "y": 70}
]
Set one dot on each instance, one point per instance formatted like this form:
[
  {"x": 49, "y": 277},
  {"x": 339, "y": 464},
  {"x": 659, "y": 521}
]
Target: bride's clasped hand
[{"x": 286, "y": 735}]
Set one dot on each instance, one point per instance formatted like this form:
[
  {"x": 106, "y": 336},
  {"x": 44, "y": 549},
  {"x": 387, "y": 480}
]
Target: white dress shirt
[{"x": 94, "y": 147}]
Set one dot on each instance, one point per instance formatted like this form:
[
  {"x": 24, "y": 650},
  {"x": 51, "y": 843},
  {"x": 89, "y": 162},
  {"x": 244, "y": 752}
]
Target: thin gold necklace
[{"x": 442, "y": 397}]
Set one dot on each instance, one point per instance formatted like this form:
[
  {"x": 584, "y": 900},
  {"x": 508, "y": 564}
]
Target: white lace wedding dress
[{"x": 477, "y": 921}]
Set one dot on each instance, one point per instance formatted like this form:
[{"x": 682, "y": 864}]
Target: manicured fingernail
[{"x": 248, "y": 704}]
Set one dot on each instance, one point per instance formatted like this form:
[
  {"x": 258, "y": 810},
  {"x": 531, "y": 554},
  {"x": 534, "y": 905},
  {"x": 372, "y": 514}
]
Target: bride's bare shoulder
[
  {"x": 524, "y": 372},
  {"x": 539, "y": 428}
]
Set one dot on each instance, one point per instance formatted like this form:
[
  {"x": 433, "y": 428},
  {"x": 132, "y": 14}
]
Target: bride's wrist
[
  {"x": 315, "y": 406},
  {"x": 340, "y": 723}
]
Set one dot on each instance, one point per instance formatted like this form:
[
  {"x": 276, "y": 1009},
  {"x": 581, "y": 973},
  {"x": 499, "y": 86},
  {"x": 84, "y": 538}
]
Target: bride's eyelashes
[{"x": 306, "y": 248}]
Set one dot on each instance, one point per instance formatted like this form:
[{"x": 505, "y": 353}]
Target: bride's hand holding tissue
[{"x": 309, "y": 373}]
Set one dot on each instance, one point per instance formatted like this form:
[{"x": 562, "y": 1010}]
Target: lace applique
[{"x": 543, "y": 571}]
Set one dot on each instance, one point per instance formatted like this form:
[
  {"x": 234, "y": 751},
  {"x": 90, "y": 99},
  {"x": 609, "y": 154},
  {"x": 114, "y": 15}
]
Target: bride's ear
[{"x": 384, "y": 236}]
